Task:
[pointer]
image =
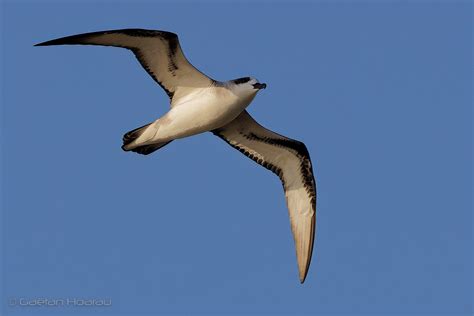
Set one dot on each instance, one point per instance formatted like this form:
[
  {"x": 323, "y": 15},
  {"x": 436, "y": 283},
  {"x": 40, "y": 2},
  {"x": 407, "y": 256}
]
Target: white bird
[{"x": 200, "y": 104}]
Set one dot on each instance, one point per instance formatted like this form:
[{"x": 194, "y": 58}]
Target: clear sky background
[{"x": 380, "y": 92}]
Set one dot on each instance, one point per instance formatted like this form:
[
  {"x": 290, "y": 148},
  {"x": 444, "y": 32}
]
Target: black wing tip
[
  {"x": 68, "y": 40},
  {"x": 77, "y": 39},
  {"x": 48, "y": 43}
]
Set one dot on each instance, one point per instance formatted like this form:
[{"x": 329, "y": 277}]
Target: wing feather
[
  {"x": 159, "y": 53},
  {"x": 289, "y": 159}
]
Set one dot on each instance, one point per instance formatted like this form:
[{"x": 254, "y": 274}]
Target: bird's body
[
  {"x": 202, "y": 110},
  {"x": 200, "y": 104}
]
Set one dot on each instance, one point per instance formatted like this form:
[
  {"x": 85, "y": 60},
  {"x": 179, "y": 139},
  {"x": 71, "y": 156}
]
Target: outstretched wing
[
  {"x": 289, "y": 159},
  {"x": 159, "y": 52}
]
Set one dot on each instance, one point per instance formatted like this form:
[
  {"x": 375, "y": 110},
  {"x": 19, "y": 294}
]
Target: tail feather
[
  {"x": 148, "y": 149},
  {"x": 132, "y": 135}
]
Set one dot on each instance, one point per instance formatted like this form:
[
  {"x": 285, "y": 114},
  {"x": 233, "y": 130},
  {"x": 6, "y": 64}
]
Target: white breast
[{"x": 203, "y": 110}]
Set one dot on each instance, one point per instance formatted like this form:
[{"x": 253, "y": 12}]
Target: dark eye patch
[{"x": 241, "y": 80}]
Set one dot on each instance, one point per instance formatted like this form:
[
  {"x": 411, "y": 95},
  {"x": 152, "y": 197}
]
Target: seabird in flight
[{"x": 200, "y": 104}]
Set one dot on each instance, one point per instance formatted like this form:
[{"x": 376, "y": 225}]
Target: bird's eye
[{"x": 242, "y": 80}]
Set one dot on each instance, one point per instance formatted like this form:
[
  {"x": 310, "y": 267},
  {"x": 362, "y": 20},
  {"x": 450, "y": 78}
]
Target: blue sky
[{"x": 380, "y": 92}]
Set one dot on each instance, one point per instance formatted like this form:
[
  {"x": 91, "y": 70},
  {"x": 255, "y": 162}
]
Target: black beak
[{"x": 259, "y": 86}]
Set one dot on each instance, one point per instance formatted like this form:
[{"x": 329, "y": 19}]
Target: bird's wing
[
  {"x": 159, "y": 52},
  {"x": 289, "y": 159}
]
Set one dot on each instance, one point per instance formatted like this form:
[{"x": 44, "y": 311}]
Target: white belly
[{"x": 200, "y": 112}]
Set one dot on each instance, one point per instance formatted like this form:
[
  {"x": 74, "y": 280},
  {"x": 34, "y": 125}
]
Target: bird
[{"x": 200, "y": 104}]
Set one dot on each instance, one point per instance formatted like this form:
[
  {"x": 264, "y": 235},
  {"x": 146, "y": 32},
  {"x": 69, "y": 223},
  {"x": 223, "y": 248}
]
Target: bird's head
[{"x": 247, "y": 86}]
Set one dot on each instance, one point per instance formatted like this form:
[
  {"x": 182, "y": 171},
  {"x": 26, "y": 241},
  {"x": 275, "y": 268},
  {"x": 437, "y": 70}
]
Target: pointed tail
[{"x": 131, "y": 136}]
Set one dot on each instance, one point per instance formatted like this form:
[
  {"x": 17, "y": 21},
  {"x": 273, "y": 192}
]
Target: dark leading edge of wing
[{"x": 159, "y": 52}]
